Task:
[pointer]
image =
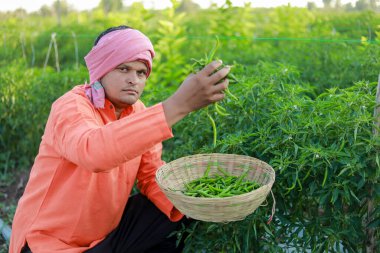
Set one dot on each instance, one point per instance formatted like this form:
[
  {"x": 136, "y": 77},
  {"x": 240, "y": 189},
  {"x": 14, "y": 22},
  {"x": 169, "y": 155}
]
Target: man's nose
[{"x": 132, "y": 77}]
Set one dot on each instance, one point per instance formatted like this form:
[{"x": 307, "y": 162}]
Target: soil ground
[{"x": 11, "y": 189}]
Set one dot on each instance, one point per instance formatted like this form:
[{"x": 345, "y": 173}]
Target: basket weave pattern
[{"x": 173, "y": 176}]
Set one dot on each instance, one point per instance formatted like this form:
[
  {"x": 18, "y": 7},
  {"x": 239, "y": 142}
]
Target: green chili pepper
[
  {"x": 220, "y": 110},
  {"x": 200, "y": 64},
  {"x": 220, "y": 185},
  {"x": 213, "y": 128}
]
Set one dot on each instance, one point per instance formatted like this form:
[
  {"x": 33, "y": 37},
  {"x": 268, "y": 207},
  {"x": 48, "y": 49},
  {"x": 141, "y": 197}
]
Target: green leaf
[
  {"x": 353, "y": 195},
  {"x": 268, "y": 230},
  {"x": 335, "y": 195}
]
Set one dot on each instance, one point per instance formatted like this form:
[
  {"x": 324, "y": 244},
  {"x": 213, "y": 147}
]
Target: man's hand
[{"x": 197, "y": 91}]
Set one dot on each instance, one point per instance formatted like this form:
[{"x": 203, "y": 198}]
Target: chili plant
[{"x": 200, "y": 64}]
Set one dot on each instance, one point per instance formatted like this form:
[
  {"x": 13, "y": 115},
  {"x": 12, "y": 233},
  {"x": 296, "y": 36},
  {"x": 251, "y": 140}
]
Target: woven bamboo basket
[{"x": 173, "y": 176}]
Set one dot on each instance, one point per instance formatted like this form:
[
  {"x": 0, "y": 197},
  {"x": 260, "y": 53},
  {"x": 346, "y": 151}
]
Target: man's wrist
[{"x": 173, "y": 111}]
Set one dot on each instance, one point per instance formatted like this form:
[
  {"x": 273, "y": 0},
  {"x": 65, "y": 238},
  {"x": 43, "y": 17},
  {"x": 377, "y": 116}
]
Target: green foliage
[
  {"x": 110, "y": 5},
  {"x": 306, "y": 96},
  {"x": 322, "y": 149},
  {"x": 170, "y": 41},
  {"x": 26, "y": 96}
]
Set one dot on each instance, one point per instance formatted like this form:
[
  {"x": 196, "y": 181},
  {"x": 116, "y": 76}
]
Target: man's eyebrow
[
  {"x": 123, "y": 65},
  {"x": 126, "y": 65}
]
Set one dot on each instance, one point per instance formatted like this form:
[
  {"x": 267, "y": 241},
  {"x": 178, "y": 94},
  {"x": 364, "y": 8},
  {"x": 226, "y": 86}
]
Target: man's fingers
[
  {"x": 213, "y": 74},
  {"x": 217, "y": 97},
  {"x": 220, "y": 87},
  {"x": 210, "y": 68},
  {"x": 219, "y": 75}
]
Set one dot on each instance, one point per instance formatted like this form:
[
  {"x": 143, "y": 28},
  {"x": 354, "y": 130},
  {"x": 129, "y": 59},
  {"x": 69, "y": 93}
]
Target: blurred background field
[{"x": 306, "y": 100}]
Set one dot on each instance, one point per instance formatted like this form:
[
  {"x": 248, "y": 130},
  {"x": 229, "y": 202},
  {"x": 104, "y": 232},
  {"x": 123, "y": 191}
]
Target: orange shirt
[{"x": 84, "y": 172}]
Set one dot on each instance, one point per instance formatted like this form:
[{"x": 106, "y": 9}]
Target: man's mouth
[{"x": 130, "y": 91}]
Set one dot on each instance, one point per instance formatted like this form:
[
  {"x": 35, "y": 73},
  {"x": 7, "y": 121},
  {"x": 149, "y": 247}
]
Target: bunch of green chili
[
  {"x": 220, "y": 185},
  {"x": 200, "y": 64}
]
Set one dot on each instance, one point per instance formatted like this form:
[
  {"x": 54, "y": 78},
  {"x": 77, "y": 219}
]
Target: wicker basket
[{"x": 173, "y": 176}]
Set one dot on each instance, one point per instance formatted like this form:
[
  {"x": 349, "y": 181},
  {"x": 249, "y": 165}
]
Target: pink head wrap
[{"x": 112, "y": 50}]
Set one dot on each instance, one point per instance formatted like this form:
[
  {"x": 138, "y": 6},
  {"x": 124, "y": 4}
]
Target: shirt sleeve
[
  {"x": 146, "y": 182},
  {"x": 79, "y": 137}
]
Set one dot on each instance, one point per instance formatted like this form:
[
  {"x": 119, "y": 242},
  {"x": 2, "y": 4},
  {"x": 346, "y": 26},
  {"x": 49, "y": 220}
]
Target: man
[{"x": 99, "y": 139}]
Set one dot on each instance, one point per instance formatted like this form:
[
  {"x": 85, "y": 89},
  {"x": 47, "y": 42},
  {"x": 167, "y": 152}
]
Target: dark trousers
[{"x": 143, "y": 229}]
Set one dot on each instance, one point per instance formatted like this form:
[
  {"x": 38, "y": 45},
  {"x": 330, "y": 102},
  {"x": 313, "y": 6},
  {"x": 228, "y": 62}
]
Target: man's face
[{"x": 124, "y": 85}]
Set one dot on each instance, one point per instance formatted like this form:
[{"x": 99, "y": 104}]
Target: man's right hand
[{"x": 197, "y": 91}]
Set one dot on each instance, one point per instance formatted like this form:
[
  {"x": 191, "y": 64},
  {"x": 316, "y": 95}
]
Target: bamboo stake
[
  {"x": 22, "y": 42},
  {"x": 32, "y": 50},
  {"x": 33, "y": 55},
  {"x": 76, "y": 50},
  {"x": 53, "y": 42},
  {"x": 48, "y": 54},
  {"x": 55, "y": 51}
]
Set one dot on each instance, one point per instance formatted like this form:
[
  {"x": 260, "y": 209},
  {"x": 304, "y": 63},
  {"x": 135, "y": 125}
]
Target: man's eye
[
  {"x": 141, "y": 73},
  {"x": 123, "y": 69}
]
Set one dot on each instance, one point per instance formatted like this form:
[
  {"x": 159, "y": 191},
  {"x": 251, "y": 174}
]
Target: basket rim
[
  {"x": 231, "y": 208},
  {"x": 269, "y": 184}
]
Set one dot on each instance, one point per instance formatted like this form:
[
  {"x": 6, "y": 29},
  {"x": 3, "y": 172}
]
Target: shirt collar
[{"x": 109, "y": 108}]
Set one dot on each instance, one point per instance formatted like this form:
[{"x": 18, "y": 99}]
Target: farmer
[{"x": 99, "y": 139}]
